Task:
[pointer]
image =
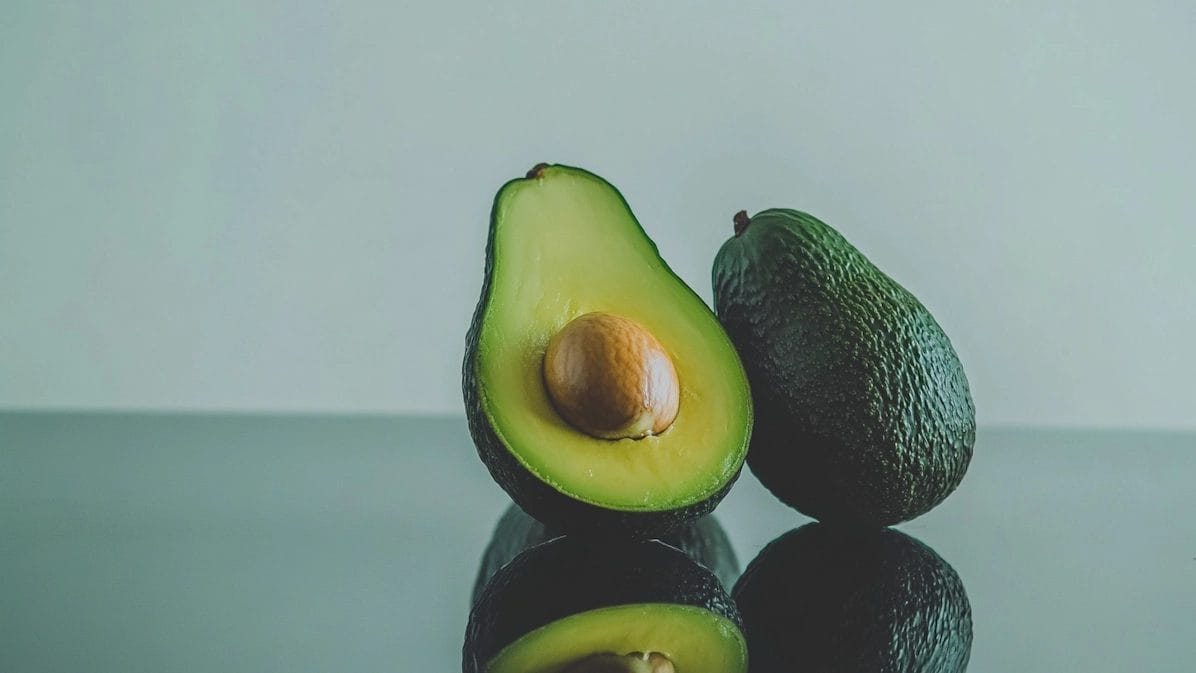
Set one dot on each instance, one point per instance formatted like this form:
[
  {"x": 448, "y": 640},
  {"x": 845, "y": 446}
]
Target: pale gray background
[{"x": 282, "y": 206}]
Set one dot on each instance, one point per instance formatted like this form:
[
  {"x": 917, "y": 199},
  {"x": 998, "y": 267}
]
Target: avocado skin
[
  {"x": 821, "y": 598},
  {"x": 569, "y": 575},
  {"x": 863, "y": 411},
  {"x": 536, "y": 497},
  {"x": 514, "y": 533},
  {"x": 703, "y": 540}
]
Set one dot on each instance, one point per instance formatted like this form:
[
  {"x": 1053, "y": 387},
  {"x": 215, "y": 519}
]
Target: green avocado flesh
[
  {"x": 695, "y": 640},
  {"x": 564, "y": 243}
]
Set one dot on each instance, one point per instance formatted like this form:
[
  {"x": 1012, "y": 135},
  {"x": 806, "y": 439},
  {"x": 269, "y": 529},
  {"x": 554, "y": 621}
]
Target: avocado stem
[
  {"x": 536, "y": 171},
  {"x": 741, "y": 221}
]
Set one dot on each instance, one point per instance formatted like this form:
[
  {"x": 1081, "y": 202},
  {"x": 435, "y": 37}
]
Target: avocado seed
[{"x": 610, "y": 378}]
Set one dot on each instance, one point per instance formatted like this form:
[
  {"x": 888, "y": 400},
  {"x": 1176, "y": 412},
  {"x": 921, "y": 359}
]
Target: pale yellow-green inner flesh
[
  {"x": 566, "y": 245},
  {"x": 696, "y": 640}
]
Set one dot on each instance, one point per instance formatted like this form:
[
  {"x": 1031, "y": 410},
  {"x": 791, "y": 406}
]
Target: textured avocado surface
[
  {"x": 703, "y": 540},
  {"x": 863, "y": 412},
  {"x": 569, "y": 598},
  {"x": 823, "y": 599},
  {"x": 563, "y": 243}
]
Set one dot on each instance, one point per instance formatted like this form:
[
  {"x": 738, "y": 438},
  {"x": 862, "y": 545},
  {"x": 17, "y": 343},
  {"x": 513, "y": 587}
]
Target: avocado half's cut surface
[
  {"x": 702, "y": 539},
  {"x": 567, "y": 600},
  {"x": 863, "y": 411},
  {"x": 822, "y": 598},
  {"x": 564, "y": 245}
]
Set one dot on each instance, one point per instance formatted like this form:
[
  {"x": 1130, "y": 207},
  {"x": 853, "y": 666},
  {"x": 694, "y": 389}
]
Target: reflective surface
[{"x": 229, "y": 543}]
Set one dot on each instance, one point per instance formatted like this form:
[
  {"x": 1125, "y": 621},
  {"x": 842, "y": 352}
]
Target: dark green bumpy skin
[
  {"x": 863, "y": 412},
  {"x": 567, "y": 576},
  {"x": 536, "y": 497},
  {"x": 703, "y": 540},
  {"x": 853, "y": 601}
]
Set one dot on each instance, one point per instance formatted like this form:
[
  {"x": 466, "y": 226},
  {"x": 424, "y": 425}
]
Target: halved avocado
[
  {"x": 564, "y": 250},
  {"x": 568, "y": 600},
  {"x": 702, "y": 539},
  {"x": 827, "y": 598}
]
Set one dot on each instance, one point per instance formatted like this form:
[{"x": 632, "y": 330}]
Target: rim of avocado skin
[
  {"x": 563, "y": 219},
  {"x": 570, "y": 598}
]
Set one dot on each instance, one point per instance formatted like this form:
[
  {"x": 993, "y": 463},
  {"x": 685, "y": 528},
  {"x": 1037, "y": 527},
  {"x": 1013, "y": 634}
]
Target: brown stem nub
[
  {"x": 536, "y": 171},
  {"x": 741, "y": 221}
]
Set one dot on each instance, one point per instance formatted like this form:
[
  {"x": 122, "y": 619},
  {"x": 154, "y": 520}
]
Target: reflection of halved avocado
[
  {"x": 704, "y": 540},
  {"x": 563, "y": 603},
  {"x": 821, "y": 598},
  {"x": 601, "y": 392}
]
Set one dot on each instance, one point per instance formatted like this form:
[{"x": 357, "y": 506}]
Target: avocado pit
[{"x": 608, "y": 377}]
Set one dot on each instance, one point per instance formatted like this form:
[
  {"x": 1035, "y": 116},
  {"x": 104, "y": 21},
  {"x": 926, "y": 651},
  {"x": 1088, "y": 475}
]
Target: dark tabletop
[{"x": 301, "y": 543}]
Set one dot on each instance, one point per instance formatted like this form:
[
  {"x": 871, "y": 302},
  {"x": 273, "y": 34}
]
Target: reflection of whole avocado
[
  {"x": 863, "y": 412},
  {"x": 586, "y": 606},
  {"x": 704, "y": 540},
  {"x": 821, "y": 598},
  {"x": 601, "y": 392}
]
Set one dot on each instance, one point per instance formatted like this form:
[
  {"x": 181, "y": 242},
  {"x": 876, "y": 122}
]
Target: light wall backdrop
[{"x": 282, "y": 206}]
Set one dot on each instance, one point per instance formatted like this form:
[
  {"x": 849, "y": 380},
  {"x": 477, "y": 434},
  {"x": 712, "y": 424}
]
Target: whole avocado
[{"x": 863, "y": 412}]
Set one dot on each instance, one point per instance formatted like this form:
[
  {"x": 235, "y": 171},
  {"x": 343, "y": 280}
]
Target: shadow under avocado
[
  {"x": 822, "y": 598},
  {"x": 589, "y": 605}
]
